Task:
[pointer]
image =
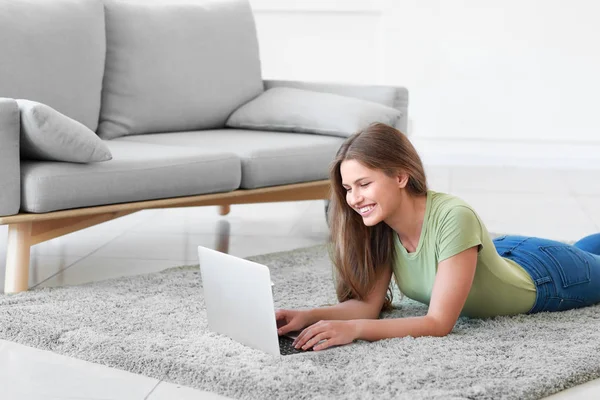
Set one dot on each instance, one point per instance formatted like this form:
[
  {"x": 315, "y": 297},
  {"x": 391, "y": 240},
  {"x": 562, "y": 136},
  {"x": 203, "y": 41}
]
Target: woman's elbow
[
  {"x": 440, "y": 328},
  {"x": 442, "y": 332}
]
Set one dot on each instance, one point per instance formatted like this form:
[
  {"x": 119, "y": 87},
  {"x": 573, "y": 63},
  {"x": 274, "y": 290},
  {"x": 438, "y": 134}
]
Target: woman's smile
[{"x": 366, "y": 210}]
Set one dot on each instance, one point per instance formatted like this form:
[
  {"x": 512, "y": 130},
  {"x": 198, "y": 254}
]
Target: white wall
[
  {"x": 478, "y": 71},
  {"x": 511, "y": 69},
  {"x": 323, "y": 40}
]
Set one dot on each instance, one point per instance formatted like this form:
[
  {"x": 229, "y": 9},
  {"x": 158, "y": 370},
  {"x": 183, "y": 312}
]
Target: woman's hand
[
  {"x": 292, "y": 320},
  {"x": 332, "y": 333}
]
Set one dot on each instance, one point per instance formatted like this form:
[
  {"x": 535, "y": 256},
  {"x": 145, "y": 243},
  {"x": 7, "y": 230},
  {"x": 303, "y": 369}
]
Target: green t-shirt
[{"x": 450, "y": 226}]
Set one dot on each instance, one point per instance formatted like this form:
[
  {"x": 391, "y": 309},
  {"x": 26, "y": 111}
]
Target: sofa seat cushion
[
  {"x": 268, "y": 158},
  {"x": 53, "y": 52},
  {"x": 138, "y": 171}
]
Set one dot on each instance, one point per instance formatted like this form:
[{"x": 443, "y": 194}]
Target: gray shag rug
[{"x": 155, "y": 325}]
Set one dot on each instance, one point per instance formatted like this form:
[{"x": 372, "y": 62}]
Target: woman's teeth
[{"x": 366, "y": 209}]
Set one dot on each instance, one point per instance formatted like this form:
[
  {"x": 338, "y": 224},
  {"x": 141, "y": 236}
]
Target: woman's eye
[{"x": 365, "y": 184}]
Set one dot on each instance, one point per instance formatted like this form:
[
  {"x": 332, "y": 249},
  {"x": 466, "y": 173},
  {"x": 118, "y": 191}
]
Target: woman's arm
[
  {"x": 292, "y": 320},
  {"x": 452, "y": 285},
  {"x": 357, "y": 309}
]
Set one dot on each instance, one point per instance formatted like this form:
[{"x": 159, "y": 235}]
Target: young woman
[{"x": 384, "y": 221}]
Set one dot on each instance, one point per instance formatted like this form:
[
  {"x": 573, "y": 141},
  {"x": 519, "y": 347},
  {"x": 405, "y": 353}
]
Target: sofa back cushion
[
  {"x": 53, "y": 52},
  {"x": 297, "y": 110},
  {"x": 177, "y": 65}
]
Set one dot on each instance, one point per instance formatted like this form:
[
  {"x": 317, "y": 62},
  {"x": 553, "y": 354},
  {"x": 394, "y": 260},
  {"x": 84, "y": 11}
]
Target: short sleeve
[{"x": 459, "y": 230}]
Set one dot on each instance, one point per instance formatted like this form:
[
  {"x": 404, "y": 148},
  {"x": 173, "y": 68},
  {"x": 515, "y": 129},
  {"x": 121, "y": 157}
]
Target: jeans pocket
[{"x": 571, "y": 266}]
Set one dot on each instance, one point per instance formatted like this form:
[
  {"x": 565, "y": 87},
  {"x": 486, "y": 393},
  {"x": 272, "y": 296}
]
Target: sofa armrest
[
  {"x": 10, "y": 169},
  {"x": 392, "y": 96}
]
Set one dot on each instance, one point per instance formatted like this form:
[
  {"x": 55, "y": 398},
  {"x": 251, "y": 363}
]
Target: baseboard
[{"x": 532, "y": 154}]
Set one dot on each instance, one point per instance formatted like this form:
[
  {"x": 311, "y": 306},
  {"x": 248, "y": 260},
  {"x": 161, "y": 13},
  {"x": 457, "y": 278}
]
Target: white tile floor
[{"x": 555, "y": 204}]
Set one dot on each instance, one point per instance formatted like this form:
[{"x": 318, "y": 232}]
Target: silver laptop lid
[{"x": 239, "y": 300}]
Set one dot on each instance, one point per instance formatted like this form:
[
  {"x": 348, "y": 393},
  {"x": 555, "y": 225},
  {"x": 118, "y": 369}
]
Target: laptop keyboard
[{"x": 286, "y": 348}]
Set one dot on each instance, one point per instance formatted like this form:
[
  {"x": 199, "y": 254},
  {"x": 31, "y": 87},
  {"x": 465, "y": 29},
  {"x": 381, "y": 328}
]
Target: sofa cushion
[
  {"x": 138, "y": 171},
  {"x": 53, "y": 52},
  {"x": 268, "y": 158},
  {"x": 49, "y": 135},
  {"x": 391, "y": 96},
  {"x": 174, "y": 67},
  {"x": 298, "y": 110}
]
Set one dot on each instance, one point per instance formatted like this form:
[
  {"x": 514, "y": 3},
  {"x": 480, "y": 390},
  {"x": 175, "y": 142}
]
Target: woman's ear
[{"x": 402, "y": 179}]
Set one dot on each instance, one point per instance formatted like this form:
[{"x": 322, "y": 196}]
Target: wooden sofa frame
[{"x": 27, "y": 229}]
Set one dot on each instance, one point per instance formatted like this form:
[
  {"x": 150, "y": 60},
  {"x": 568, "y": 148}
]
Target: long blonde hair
[{"x": 360, "y": 253}]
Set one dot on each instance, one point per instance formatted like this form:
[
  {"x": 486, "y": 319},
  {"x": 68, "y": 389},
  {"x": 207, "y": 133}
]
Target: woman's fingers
[
  {"x": 326, "y": 344},
  {"x": 307, "y": 334},
  {"x": 316, "y": 339},
  {"x": 302, "y": 337},
  {"x": 286, "y": 328},
  {"x": 299, "y": 338},
  {"x": 280, "y": 314}
]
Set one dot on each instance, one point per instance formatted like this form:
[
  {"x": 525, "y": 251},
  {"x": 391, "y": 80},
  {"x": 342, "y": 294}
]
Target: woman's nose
[{"x": 355, "y": 199}]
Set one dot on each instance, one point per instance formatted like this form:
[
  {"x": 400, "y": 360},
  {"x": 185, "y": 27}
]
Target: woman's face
[{"x": 370, "y": 192}]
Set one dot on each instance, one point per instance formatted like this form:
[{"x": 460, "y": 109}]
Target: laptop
[{"x": 239, "y": 302}]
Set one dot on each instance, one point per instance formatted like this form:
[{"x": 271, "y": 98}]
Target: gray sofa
[{"x": 157, "y": 85}]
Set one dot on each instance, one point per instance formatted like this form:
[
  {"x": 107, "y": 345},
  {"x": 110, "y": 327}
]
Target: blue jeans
[{"x": 566, "y": 276}]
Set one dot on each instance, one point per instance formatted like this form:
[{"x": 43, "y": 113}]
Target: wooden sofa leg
[
  {"x": 17, "y": 258},
  {"x": 224, "y": 209}
]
